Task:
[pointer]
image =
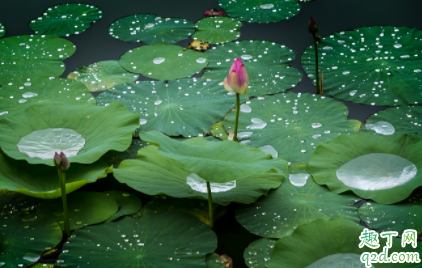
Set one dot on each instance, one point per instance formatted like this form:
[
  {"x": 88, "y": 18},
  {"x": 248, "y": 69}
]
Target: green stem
[
  {"x": 237, "y": 116},
  {"x": 316, "y": 66},
  {"x": 210, "y": 210},
  {"x": 62, "y": 179}
]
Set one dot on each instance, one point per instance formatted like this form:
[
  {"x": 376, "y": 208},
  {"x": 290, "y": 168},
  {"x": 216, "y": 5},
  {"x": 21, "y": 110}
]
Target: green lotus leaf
[
  {"x": 42, "y": 181},
  {"x": 66, "y": 19},
  {"x": 150, "y": 241},
  {"x": 163, "y": 61},
  {"x": 114, "y": 158},
  {"x": 128, "y": 204},
  {"x": 298, "y": 201},
  {"x": 85, "y": 208},
  {"x": 102, "y": 75},
  {"x": 217, "y": 30},
  {"x": 83, "y": 132},
  {"x": 214, "y": 261},
  {"x": 217, "y": 130},
  {"x": 261, "y": 10},
  {"x": 324, "y": 243},
  {"x": 11, "y": 202},
  {"x": 266, "y": 75},
  {"x": 2, "y": 30},
  {"x": 371, "y": 65},
  {"x": 291, "y": 125},
  {"x": 28, "y": 56},
  {"x": 150, "y": 28},
  {"x": 397, "y": 120},
  {"x": 385, "y": 169},
  {"x": 397, "y": 217},
  {"x": 187, "y": 107},
  {"x": 19, "y": 94},
  {"x": 43, "y": 265},
  {"x": 258, "y": 253},
  {"x": 21, "y": 241}
]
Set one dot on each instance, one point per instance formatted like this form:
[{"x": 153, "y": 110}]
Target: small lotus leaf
[
  {"x": 258, "y": 253},
  {"x": 128, "y": 204},
  {"x": 217, "y": 30},
  {"x": 217, "y": 130}
]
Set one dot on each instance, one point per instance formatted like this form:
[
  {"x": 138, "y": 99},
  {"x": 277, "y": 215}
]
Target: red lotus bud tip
[
  {"x": 313, "y": 26},
  {"x": 237, "y": 80},
  {"x": 65, "y": 162},
  {"x": 213, "y": 12}
]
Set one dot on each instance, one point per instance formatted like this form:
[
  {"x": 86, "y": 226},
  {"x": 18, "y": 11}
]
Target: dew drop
[
  {"x": 246, "y": 57},
  {"x": 27, "y": 84},
  {"x": 158, "y": 60},
  {"x": 149, "y": 25},
  {"x": 244, "y": 108},
  {"x": 266, "y": 6},
  {"x": 316, "y": 125},
  {"x": 142, "y": 121},
  {"x": 268, "y": 149},
  {"x": 22, "y": 101},
  {"x": 327, "y": 48},
  {"x": 201, "y": 60},
  {"x": 397, "y": 45},
  {"x": 29, "y": 95},
  {"x": 353, "y": 92},
  {"x": 316, "y": 136},
  {"x": 158, "y": 102}
]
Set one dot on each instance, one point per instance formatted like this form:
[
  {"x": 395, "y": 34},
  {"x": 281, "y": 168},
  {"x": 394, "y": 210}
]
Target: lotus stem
[
  {"x": 237, "y": 116},
  {"x": 62, "y": 179},
  {"x": 210, "y": 210},
  {"x": 316, "y": 65}
]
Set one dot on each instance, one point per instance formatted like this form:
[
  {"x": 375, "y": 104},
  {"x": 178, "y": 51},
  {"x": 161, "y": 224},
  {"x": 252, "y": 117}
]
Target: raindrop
[
  {"x": 22, "y": 101},
  {"x": 241, "y": 135},
  {"x": 346, "y": 72},
  {"x": 299, "y": 179},
  {"x": 201, "y": 60},
  {"x": 27, "y": 84},
  {"x": 149, "y": 25},
  {"x": 327, "y": 48},
  {"x": 316, "y": 136},
  {"x": 244, "y": 108},
  {"x": 158, "y": 60},
  {"x": 316, "y": 125},
  {"x": 417, "y": 70},
  {"x": 397, "y": 45},
  {"x": 266, "y": 6},
  {"x": 142, "y": 121},
  {"x": 353, "y": 92},
  {"x": 200, "y": 185},
  {"x": 381, "y": 127},
  {"x": 29, "y": 95},
  {"x": 158, "y": 102},
  {"x": 31, "y": 257},
  {"x": 4, "y": 113},
  {"x": 257, "y": 124},
  {"x": 268, "y": 149},
  {"x": 246, "y": 57}
]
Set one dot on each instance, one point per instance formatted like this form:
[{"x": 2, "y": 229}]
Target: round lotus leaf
[
  {"x": 385, "y": 169},
  {"x": 85, "y": 208},
  {"x": 187, "y": 107},
  {"x": 181, "y": 169},
  {"x": 397, "y": 217},
  {"x": 128, "y": 204},
  {"x": 267, "y": 65},
  {"x": 214, "y": 261},
  {"x": 258, "y": 253},
  {"x": 17, "y": 95},
  {"x": 295, "y": 203},
  {"x": 66, "y": 19},
  {"x": 83, "y": 132},
  {"x": 150, "y": 28},
  {"x": 217, "y": 130},
  {"x": 114, "y": 158},
  {"x": 378, "y": 65},
  {"x": 27, "y": 56},
  {"x": 260, "y": 10},
  {"x": 42, "y": 181},
  {"x": 291, "y": 125},
  {"x": 21, "y": 240},
  {"x": 397, "y": 120},
  {"x": 2, "y": 30},
  {"x": 163, "y": 61},
  {"x": 217, "y": 30},
  {"x": 102, "y": 75},
  {"x": 162, "y": 239}
]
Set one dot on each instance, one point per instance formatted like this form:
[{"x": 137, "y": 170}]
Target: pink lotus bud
[
  {"x": 64, "y": 163},
  {"x": 313, "y": 26},
  {"x": 213, "y": 12},
  {"x": 238, "y": 79},
  {"x": 57, "y": 160}
]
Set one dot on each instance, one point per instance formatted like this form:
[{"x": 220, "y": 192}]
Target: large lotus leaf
[
  {"x": 20, "y": 93},
  {"x": 217, "y": 30},
  {"x": 102, "y": 75},
  {"x": 128, "y": 204},
  {"x": 28, "y": 56},
  {"x": 162, "y": 239},
  {"x": 187, "y": 107},
  {"x": 156, "y": 174},
  {"x": 85, "y": 208},
  {"x": 163, "y": 61},
  {"x": 11, "y": 202},
  {"x": 217, "y": 162},
  {"x": 329, "y": 243},
  {"x": 83, "y": 132},
  {"x": 295, "y": 203},
  {"x": 267, "y": 65},
  {"x": 261, "y": 10},
  {"x": 21, "y": 241},
  {"x": 385, "y": 169},
  {"x": 150, "y": 28},
  {"x": 258, "y": 253},
  {"x": 291, "y": 125},
  {"x": 397, "y": 217},
  {"x": 42, "y": 181},
  {"x": 397, "y": 120},
  {"x": 378, "y": 65},
  {"x": 2, "y": 30},
  {"x": 66, "y": 19},
  {"x": 114, "y": 158}
]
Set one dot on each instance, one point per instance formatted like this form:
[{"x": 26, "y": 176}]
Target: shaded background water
[{"x": 332, "y": 15}]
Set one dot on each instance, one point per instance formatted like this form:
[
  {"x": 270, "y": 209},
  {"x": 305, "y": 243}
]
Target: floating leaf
[
  {"x": 378, "y": 65},
  {"x": 128, "y": 204},
  {"x": 150, "y": 28},
  {"x": 291, "y": 125},
  {"x": 11, "y": 202},
  {"x": 102, "y": 75},
  {"x": 66, "y": 19},
  {"x": 163, "y": 61},
  {"x": 397, "y": 120},
  {"x": 261, "y": 11},
  {"x": 83, "y": 132},
  {"x": 21, "y": 241},
  {"x": 258, "y": 253},
  {"x": 2, "y": 30},
  {"x": 267, "y": 65},
  {"x": 214, "y": 261},
  {"x": 217, "y": 30},
  {"x": 27, "y": 56},
  {"x": 187, "y": 107},
  {"x": 85, "y": 208},
  {"x": 385, "y": 169},
  {"x": 114, "y": 158},
  {"x": 218, "y": 130},
  {"x": 150, "y": 241}
]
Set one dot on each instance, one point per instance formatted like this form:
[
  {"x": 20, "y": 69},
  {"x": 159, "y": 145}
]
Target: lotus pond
[{"x": 156, "y": 176}]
